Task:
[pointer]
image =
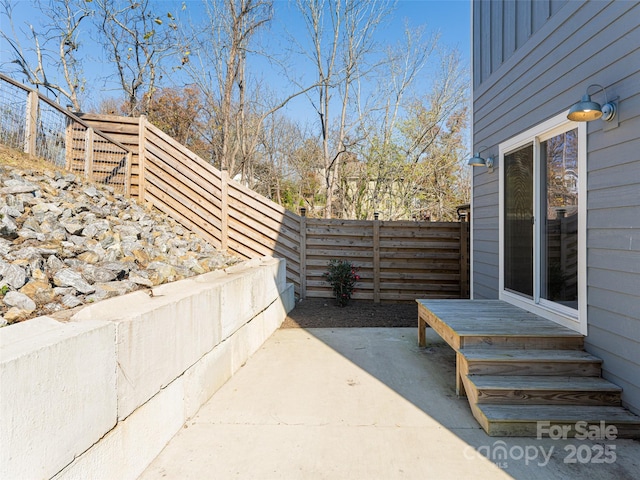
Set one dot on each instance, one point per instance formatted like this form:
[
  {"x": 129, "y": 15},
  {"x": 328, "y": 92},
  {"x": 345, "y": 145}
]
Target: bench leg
[{"x": 422, "y": 334}]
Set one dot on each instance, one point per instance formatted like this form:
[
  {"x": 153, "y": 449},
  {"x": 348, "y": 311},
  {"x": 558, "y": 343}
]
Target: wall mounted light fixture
[
  {"x": 586, "y": 110},
  {"x": 478, "y": 161}
]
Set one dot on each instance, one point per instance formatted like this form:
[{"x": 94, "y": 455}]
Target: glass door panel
[
  {"x": 559, "y": 235},
  {"x": 518, "y": 221}
]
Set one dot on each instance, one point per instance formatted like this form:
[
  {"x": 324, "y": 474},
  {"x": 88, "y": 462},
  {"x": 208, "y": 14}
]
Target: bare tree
[
  {"x": 138, "y": 41},
  {"x": 341, "y": 37},
  {"x": 369, "y": 183},
  {"x": 409, "y": 166},
  {"x": 237, "y": 103},
  {"x": 57, "y": 43},
  {"x": 218, "y": 67}
]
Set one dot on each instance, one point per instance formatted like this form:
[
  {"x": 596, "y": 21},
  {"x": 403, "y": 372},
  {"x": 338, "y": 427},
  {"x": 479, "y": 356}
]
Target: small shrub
[{"x": 342, "y": 276}]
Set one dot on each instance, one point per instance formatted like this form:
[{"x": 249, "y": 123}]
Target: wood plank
[
  {"x": 420, "y": 277},
  {"x": 494, "y": 317},
  {"x": 376, "y": 261},
  {"x": 196, "y": 218},
  {"x": 485, "y": 361},
  {"x": 260, "y": 222},
  {"x": 185, "y": 221},
  {"x": 169, "y": 144},
  {"x": 522, "y": 420},
  {"x": 343, "y": 241},
  {"x": 244, "y": 195},
  {"x": 268, "y": 238},
  {"x": 505, "y": 355},
  {"x": 206, "y": 185},
  {"x": 182, "y": 186},
  {"x": 186, "y": 177},
  {"x": 414, "y": 268},
  {"x": 422, "y": 245},
  {"x": 441, "y": 328},
  {"x": 532, "y": 382},
  {"x": 142, "y": 187},
  {"x": 303, "y": 256},
  {"x": 224, "y": 209},
  {"x": 464, "y": 259},
  {"x": 246, "y": 205},
  {"x": 182, "y": 195}
]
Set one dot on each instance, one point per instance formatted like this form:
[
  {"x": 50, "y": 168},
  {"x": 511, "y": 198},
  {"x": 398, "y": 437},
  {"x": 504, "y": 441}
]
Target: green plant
[
  {"x": 342, "y": 276},
  {"x": 4, "y": 290}
]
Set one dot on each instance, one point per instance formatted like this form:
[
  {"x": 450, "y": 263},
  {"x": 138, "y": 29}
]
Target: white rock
[{"x": 19, "y": 300}]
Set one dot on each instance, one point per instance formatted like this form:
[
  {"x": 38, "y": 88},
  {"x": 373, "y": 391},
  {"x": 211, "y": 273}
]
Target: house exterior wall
[{"x": 532, "y": 61}]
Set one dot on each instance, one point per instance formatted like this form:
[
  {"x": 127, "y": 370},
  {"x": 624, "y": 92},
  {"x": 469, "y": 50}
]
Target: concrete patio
[{"x": 364, "y": 404}]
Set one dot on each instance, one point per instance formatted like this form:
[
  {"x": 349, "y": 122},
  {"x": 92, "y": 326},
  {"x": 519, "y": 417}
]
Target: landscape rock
[
  {"x": 13, "y": 275},
  {"x": 15, "y": 314},
  {"x": 19, "y": 300},
  {"x": 70, "y": 301},
  {"x": 65, "y": 243},
  {"x": 8, "y": 227},
  {"x": 39, "y": 291}
]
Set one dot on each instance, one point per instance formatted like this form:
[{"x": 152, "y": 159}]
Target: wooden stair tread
[
  {"x": 558, "y": 413},
  {"x": 518, "y": 354},
  {"x": 493, "y": 318},
  {"x": 511, "y": 328},
  {"x": 532, "y": 382}
]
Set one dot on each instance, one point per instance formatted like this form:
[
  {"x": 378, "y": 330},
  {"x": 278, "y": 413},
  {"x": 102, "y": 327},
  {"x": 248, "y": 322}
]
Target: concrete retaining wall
[{"x": 100, "y": 396}]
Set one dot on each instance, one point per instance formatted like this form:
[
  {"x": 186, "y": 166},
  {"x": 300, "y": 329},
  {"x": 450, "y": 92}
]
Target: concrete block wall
[{"x": 99, "y": 396}]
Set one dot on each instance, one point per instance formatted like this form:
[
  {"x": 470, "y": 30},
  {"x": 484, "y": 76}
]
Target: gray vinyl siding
[
  {"x": 524, "y": 77},
  {"x": 502, "y": 27}
]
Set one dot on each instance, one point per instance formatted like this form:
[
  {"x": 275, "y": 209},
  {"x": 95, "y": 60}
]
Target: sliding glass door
[
  {"x": 559, "y": 235},
  {"x": 518, "y": 221},
  {"x": 542, "y": 244}
]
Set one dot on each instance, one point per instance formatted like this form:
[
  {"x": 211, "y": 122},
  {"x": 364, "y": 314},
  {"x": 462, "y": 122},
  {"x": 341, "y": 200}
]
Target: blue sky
[{"x": 448, "y": 17}]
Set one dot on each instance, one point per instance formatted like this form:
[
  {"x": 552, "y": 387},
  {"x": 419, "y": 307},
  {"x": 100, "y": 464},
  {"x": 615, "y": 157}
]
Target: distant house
[{"x": 556, "y": 224}]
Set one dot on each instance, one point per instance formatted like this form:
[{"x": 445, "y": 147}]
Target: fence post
[
  {"x": 376, "y": 258},
  {"x": 127, "y": 175},
  {"x": 68, "y": 145},
  {"x": 224, "y": 210},
  {"x": 142, "y": 135},
  {"x": 88, "y": 154},
  {"x": 464, "y": 259},
  {"x": 31, "y": 126},
  {"x": 303, "y": 253}
]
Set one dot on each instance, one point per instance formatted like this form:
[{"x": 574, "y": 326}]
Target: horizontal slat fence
[
  {"x": 126, "y": 131},
  {"x": 397, "y": 261},
  {"x": 181, "y": 184},
  {"x": 256, "y": 226},
  {"x": 31, "y": 122}
]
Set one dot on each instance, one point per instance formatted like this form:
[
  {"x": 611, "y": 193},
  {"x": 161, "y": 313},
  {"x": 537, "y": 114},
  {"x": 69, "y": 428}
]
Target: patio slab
[{"x": 364, "y": 404}]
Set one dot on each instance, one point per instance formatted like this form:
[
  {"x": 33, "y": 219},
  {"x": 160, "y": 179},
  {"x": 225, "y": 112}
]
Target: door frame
[{"x": 552, "y": 311}]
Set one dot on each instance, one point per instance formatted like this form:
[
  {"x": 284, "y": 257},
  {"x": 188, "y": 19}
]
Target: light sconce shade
[
  {"x": 586, "y": 110},
  {"x": 478, "y": 161}
]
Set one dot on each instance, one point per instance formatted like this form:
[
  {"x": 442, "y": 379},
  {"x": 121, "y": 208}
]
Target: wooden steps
[
  {"x": 547, "y": 420},
  {"x": 487, "y": 361},
  {"x": 522, "y": 372},
  {"x": 542, "y": 390}
]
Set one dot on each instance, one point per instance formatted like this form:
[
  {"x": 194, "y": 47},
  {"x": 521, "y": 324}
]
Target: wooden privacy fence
[
  {"x": 31, "y": 122},
  {"x": 398, "y": 261}
]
